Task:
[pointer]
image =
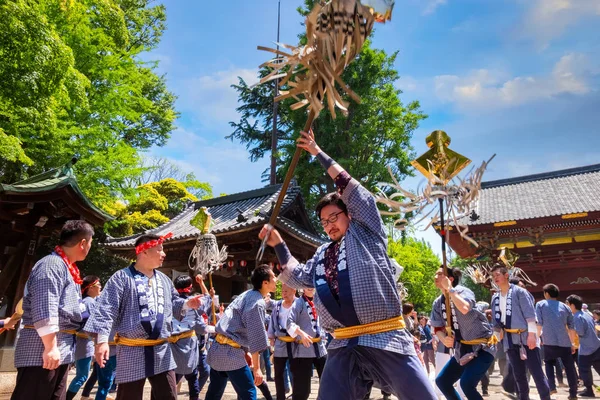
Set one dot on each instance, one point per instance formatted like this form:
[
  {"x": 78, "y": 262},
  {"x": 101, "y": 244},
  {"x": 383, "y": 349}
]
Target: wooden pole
[
  {"x": 214, "y": 315},
  {"x": 290, "y": 173},
  {"x": 444, "y": 266}
]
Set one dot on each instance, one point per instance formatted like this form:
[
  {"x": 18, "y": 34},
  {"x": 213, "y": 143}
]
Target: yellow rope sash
[
  {"x": 289, "y": 339},
  {"x": 123, "y": 341},
  {"x": 514, "y": 330},
  {"x": 222, "y": 339},
  {"x": 491, "y": 341},
  {"x": 392, "y": 324}
]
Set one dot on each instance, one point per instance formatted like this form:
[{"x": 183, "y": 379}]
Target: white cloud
[
  {"x": 488, "y": 89},
  {"x": 211, "y": 97},
  {"x": 222, "y": 163},
  {"x": 548, "y": 19},
  {"x": 432, "y": 5}
]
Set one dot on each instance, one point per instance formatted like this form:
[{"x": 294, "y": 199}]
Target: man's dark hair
[
  {"x": 182, "y": 282},
  {"x": 74, "y": 231},
  {"x": 454, "y": 273},
  {"x": 87, "y": 283},
  {"x": 259, "y": 275},
  {"x": 331, "y": 199},
  {"x": 552, "y": 290},
  {"x": 500, "y": 268},
  {"x": 423, "y": 317},
  {"x": 146, "y": 237},
  {"x": 597, "y": 312},
  {"x": 517, "y": 281},
  {"x": 575, "y": 300},
  {"x": 407, "y": 308}
]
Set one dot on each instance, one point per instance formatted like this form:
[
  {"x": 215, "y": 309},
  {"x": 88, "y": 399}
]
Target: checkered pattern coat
[
  {"x": 523, "y": 310},
  {"x": 84, "y": 348},
  {"x": 118, "y": 305},
  {"x": 472, "y": 325},
  {"x": 301, "y": 318},
  {"x": 51, "y": 298},
  {"x": 243, "y": 322},
  {"x": 372, "y": 283}
]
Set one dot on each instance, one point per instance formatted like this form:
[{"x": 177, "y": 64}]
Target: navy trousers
[
  {"x": 241, "y": 380},
  {"x": 350, "y": 372},
  {"x": 585, "y": 367},
  {"x": 552, "y": 357},
  {"x": 469, "y": 376},
  {"x": 534, "y": 365}
]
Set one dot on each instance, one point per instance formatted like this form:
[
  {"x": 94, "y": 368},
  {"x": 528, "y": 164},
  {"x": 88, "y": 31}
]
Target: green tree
[
  {"x": 420, "y": 264},
  {"x": 374, "y": 134},
  {"x": 73, "y": 84},
  {"x": 151, "y": 205}
]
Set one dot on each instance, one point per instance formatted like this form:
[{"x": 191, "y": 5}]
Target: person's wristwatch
[{"x": 452, "y": 290}]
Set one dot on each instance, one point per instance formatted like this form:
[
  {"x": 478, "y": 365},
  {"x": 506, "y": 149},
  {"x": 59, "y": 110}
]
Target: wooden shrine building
[
  {"x": 237, "y": 220},
  {"x": 552, "y": 220},
  {"x": 30, "y": 211}
]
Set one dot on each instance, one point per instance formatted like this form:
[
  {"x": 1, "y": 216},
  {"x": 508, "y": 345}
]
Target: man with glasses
[{"x": 356, "y": 295}]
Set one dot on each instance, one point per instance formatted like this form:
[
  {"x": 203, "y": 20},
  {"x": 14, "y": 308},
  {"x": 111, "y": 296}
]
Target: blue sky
[{"x": 519, "y": 78}]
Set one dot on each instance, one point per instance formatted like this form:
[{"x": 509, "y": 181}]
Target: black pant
[
  {"x": 586, "y": 362},
  {"x": 554, "y": 354},
  {"x": 280, "y": 376},
  {"x": 164, "y": 387},
  {"x": 301, "y": 369},
  {"x": 39, "y": 383},
  {"x": 533, "y": 363}
]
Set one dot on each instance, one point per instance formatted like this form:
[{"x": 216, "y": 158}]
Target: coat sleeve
[
  {"x": 293, "y": 273},
  {"x": 107, "y": 308}
]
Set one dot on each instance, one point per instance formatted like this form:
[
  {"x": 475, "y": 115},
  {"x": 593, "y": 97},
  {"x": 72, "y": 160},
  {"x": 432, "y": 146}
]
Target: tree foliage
[
  {"x": 152, "y": 204},
  {"x": 373, "y": 135},
  {"x": 73, "y": 85},
  {"x": 420, "y": 264}
]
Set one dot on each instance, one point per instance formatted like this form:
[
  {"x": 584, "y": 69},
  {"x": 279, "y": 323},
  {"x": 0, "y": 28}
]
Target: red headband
[
  {"x": 84, "y": 288},
  {"x": 152, "y": 243},
  {"x": 185, "y": 290}
]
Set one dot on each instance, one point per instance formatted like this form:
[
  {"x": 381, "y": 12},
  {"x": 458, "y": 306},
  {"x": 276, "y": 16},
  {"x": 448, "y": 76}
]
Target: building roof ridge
[{"x": 541, "y": 176}]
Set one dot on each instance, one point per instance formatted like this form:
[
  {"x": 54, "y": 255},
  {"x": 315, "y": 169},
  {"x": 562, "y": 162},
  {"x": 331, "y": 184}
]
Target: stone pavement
[{"x": 7, "y": 383}]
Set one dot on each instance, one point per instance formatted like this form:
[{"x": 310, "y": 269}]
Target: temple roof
[
  {"x": 236, "y": 212},
  {"x": 48, "y": 186},
  {"x": 549, "y": 194}
]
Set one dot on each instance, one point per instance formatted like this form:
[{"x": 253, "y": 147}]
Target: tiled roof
[
  {"x": 254, "y": 206},
  {"x": 50, "y": 181},
  {"x": 568, "y": 191}
]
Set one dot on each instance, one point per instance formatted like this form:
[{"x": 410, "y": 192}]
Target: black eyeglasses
[{"x": 330, "y": 220}]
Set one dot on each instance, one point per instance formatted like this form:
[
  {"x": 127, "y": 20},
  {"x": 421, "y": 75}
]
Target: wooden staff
[
  {"x": 444, "y": 266},
  {"x": 214, "y": 315},
  {"x": 290, "y": 172}
]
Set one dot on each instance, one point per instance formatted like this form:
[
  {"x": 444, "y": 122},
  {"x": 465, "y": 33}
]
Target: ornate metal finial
[{"x": 440, "y": 164}]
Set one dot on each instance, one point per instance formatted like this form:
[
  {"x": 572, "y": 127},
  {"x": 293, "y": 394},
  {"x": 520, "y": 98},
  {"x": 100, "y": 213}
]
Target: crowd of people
[{"x": 340, "y": 316}]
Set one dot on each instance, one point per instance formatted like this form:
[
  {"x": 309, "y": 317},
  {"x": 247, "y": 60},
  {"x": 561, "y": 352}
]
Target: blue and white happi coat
[
  {"x": 51, "y": 302},
  {"x": 470, "y": 326},
  {"x": 243, "y": 322},
  {"x": 187, "y": 351},
  {"x": 276, "y": 329},
  {"x": 137, "y": 307},
  {"x": 367, "y": 287},
  {"x": 301, "y": 316},
  {"x": 519, "y": 310},
  {"x": 84, "y": 347}
]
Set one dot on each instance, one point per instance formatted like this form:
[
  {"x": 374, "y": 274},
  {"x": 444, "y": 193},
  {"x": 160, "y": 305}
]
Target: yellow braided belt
[
  {"x": 222, "y": 339},
  {"x": 289, "y": 339},
  {"x": 123, "y": 341},
  {"x": 67, "y": 331},
  {"x": 392, "y": 324},
  {"x": 514, "y": 330},
  {"x": 491, "y": 341}
]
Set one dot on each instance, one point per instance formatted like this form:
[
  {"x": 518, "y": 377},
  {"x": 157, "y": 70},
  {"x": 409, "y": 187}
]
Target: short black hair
[
  {"x": 596, "y": 311},
  {"x": 146, "y": 237},
  {"x": 333, "y": 198},
  {"x": 552, "y": 290},
  {"x": 500, "y": 267},
  {"x": 516, "y": 281},
  {"x": 454, "y": 273},
  {"x": 74, "y": 231},
  {"x": 575, "y": 300},
  {"x": 407, "y": 308},
  {"x": 87, "y": 283},
  {"x": 259, "y": 275},
  {"x": 182, "y": 282}
]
